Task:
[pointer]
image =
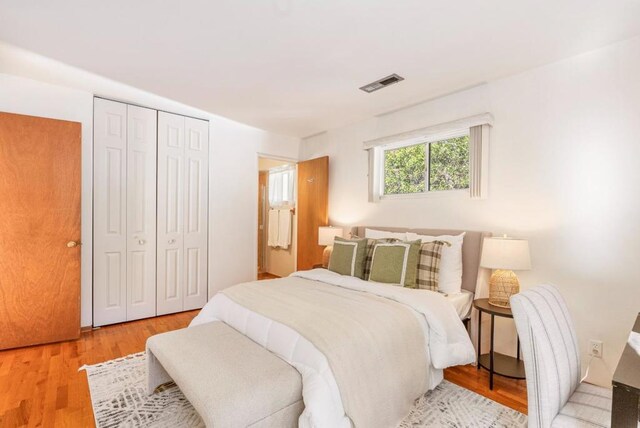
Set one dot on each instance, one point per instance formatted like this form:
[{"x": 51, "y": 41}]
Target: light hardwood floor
[
  {"x": 510, "y": 392},
  {"x": 41, "y": 385}
]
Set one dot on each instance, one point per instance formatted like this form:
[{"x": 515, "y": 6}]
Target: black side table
[
  {"x": 497, "y": 363},
  {"x": 625, "y": 406}
]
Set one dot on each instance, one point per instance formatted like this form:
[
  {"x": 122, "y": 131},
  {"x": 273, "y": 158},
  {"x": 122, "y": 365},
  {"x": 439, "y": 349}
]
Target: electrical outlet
[{"x": 595, "y": 348}]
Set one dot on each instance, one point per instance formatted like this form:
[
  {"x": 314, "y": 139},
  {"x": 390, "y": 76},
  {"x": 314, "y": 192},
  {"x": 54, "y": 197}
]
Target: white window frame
[
  {"x": 378, "y": 170},
  {"x": 277, "y": 197}
]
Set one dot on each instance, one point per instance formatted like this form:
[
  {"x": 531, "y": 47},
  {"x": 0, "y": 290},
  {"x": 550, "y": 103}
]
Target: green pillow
[
  {"x": 347, "y": 257},
  {"x": 371, "y": 244},
  {"x": 395, "y": 263}
]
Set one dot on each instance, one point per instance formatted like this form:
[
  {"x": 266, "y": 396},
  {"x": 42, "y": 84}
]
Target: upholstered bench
[{"x": 230, "y": 380}]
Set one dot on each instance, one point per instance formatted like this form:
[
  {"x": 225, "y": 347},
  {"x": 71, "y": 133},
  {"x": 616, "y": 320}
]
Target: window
[
  {"x": 427, "y": 167},
  {"x": 450, "y": 158},
  {"x": 404, "y": 170},
  {"x": 281, "y": 186}
]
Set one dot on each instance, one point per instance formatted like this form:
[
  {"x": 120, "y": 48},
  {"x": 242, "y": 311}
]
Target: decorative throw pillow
[
  {"x": 383, "y": 234},
  {"x": 429, "y": 265},
  {"x": 395, "y": 263},
  {"x": 347, "y": 257},
  {"x": 450, "y": 278},
  {"x": 371, "y": 244}
]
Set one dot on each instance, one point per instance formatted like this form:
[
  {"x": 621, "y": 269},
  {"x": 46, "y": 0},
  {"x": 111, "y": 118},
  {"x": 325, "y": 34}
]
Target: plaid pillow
[{"x": 429, "y": 265}]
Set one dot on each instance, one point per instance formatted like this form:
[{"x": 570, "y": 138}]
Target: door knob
[
  {"x": 142, "y": 241},
  {"x": 172, "y": 241},
  {"x": 72, "y": 244}
]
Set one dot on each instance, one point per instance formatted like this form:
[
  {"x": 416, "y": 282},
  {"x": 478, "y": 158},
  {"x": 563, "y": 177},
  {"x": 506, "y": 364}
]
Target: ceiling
[{"x": 295, "y": 66}]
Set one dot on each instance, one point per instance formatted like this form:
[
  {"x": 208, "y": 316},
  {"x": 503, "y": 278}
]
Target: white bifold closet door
[
  {"x": 124, "y": 206},
  {"x": 183, "y": 147}
]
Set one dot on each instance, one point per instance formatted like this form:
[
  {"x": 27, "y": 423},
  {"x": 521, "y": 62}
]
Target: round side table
[{"x": 496, "y": 363}]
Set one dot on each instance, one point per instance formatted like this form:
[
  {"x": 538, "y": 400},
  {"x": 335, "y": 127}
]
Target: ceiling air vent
[{"x": 379, "y": 84}]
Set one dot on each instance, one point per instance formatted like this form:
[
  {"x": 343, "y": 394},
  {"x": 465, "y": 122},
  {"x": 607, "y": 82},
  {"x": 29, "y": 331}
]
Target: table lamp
[
  {"x": 504, "y": 255},
  {"x": 325, "y": 237}
]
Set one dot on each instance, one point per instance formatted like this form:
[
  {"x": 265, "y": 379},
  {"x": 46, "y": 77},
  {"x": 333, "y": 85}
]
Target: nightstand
[{"x": 496, "y": 363}]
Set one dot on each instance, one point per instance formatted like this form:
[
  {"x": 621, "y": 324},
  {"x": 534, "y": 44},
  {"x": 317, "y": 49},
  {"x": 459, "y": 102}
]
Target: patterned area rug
[{"x": 119, "y": 399}]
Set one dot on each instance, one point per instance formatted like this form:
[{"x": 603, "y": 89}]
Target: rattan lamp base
[{"x": 502, "y": 285}]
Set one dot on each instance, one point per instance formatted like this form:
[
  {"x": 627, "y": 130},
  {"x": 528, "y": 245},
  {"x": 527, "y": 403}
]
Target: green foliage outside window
[
  {"x": 449, "y": 164},
  {"x": 405, "y": 169}
]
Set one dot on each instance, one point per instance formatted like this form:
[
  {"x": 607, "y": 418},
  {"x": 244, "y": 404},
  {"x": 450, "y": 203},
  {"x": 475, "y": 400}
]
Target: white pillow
[
  {"x": 450, "y": 279},
  {"x": 380, "y": 234}
]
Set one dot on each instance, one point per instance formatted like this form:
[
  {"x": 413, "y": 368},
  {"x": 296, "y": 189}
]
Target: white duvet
[{"x": 448, "y": 343}]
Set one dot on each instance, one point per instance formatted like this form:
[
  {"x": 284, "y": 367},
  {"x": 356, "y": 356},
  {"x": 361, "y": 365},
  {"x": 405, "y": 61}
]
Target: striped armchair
[{"x": 556, "y": 396}]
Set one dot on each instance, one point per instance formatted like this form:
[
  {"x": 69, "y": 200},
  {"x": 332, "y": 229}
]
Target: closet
[
  {"x": 149, "y": 212},
  {"x": 182, "y": 213}
]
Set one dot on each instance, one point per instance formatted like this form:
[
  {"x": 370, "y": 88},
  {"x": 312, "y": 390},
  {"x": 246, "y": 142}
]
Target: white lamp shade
[
  {"x": 505, "y": 253},
  {"x": 327, "y": 233}
]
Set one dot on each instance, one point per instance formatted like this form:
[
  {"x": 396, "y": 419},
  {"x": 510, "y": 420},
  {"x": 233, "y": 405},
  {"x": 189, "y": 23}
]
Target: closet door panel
[
  {"x": 196, "y": 212},
  {"x": 110, "y": 213},
  {"x": 171, "y": 184},
  {"x": 141, "y": 212}
]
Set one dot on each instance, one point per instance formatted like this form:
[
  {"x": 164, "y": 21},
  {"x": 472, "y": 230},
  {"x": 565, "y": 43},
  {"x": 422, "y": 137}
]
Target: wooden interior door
[
  {"x": 40, "y": 186},
  {"x": 313, "y": 209}
]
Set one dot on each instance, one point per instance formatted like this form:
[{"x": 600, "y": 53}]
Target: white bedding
[
  {"x": 461, "y": 302},
  {"x": 448, "y": 342}
]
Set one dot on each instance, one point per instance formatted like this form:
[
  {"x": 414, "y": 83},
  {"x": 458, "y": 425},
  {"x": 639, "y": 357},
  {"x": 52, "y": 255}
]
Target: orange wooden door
[
  {"x": 39, "y": 230},
  {"x": 313, "y": 209}
]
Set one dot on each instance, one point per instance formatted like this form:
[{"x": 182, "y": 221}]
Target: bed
[
  {"x": 472, "y": 273},
  {"x": 365, "y": 351},
  {"x": 462, "y": 302}
]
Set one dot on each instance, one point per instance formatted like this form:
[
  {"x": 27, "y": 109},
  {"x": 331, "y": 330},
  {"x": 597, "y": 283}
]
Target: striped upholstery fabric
[
  {"x": 589, "y": 406},
  {"x": 556, "y": 398}
]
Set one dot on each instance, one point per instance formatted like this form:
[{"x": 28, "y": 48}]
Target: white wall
[
  {"x": 33, "y": 85},
  {"x": 564, "y": 173}
]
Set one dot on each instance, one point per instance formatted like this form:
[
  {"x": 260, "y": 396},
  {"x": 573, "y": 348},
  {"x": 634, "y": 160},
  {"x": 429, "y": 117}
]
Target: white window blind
[
  {"x": 479, "y": 161},
  {"x": 282, "y": 186}
]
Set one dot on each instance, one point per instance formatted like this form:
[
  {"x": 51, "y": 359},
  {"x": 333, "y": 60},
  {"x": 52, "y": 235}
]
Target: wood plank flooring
[
  {"x": 266, "y": 275},
  {"x": 41, "y": 385},
  {"x": 509, "y": 392}
]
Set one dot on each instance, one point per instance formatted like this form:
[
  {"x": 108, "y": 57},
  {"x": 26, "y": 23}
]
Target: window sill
[{"x": 428, "y": 195}]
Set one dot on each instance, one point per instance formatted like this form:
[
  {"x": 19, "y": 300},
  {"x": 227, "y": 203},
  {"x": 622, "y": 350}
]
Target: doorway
[{"x": 277, "y": 219}]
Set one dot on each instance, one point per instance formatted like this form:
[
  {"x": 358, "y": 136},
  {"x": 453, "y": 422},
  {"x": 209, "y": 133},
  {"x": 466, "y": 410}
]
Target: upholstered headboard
[{"x": 471, "y": 248}]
